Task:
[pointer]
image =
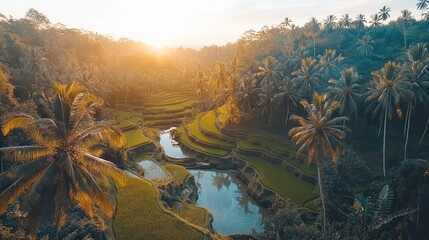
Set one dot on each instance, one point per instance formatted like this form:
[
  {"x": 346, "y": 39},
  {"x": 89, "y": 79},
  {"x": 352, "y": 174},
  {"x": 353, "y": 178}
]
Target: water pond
[
  {"x": 170, "y": 146},
  {"x": 233, "y": 210},
  {"x": 153, "y": 171}
]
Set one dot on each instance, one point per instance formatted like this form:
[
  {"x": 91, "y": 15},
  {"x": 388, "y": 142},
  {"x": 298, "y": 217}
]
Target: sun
[{"x": 157, "y": 23}]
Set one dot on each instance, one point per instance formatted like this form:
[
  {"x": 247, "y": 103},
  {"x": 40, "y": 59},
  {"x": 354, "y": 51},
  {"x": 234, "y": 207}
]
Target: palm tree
[
  {"x": 329, "y": 64},
  {"x": 219, "y": 77},
  {"x": 417, "y": 81},
  {"x": 365, "y": 45},
  {"x": 287, "y": 95},
  {"x": 425, "y": 16},
  {"x": 345, "y": 21},
  {"x": 319, "y": 134},
  {"x": 266, "y": 103},
  {"x": 329, "y": 22},
  {"x": 418, "y": 74},
  {"x": 312, "y": 30},
  {"x": 287, "y": 22},
  {"x": 360, "y": 21},
  {"x": 247, "y": 94},
  {"x": 403, "y": 21},
  {"x": 422, "y": 5},
  {"x": 385, "y": 13},
  {"x": 386, "y": 94},
  {"x": 375, "y": 21},
  {"x": 306, "y": 78},
  {"x": 60, "y": 171},
  {"x": 35, "y": 65},
  {"x": 269, "y": 72},
  {"x": 347, "y": 91}
]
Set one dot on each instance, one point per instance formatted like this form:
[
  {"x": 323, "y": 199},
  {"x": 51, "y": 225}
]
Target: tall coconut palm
[
  {"x": 404, "y": 21},
  {"x": 287, "y": 22},
  {"x": 35, "y": 65},
  {"x": 360, "y": 21},
  {"x": 306, "y": 78},
  {"x": 347, "y": 91},
  {"x": 247, "y": 94},
  {"x": 287, "y": 95},
  {"x": 417, "y": 81},
  {"x": 59, "y": 171},
  {"x": 422, "y": 5},
  {"x": 266, "y": 103},
  {"x": 365, "y": 47},
  {"x": 313, "y": 30},
  {"x": 329, "y": 22},
  {"x": 375, "y": 21},
  {"x": 385, "y": 13},
  {"x": 386, "y": 94},
  {"x": 345, "y": 21},
  {"x": 319, "y": 134},
  {"x": 269, "y": 72},
  {"x": 418, "y": 54},
  {"x": 329, "y": 65}
]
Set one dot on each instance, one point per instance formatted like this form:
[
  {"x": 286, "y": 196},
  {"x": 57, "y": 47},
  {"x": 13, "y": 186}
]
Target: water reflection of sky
[
  {"x": 170, "y": 146},
  {"x": 153, "y": 171},
  {"x": 232, "y": 209}
]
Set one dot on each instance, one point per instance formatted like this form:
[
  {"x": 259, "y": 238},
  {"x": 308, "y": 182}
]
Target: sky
[{"x": 192, "y": 23}]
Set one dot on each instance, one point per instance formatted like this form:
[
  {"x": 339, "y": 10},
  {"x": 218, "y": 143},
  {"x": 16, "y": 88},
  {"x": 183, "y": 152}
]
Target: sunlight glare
[{"x": 157, "y": 23}]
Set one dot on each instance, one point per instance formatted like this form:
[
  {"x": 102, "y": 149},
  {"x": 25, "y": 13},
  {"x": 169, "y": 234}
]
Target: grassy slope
[
  {"x": 282, "y": 181},
  {"x": 194, "y": 129},
  {"x": 135, "y": 138},
  {"x": 179, "y": 173},
  {"x": 210, "y": 151},
  {"x": 140, "y": 216}
]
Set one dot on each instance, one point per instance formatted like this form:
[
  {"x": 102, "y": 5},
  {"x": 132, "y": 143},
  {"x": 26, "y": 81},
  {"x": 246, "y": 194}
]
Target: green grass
[
  {"x": 281, "y": 181},
  {"x": 193, "y": 214},
  {"x": 208, "y": 123},
  {"x": 143, "y": 156},
  {"x": 303, "y": 167},
  {"x": 135, "y": 138},
  {"x": 210, "y": 151},
  {"x": 140, "y": 216},
  {"x": 179, "y": 173},
  {"x": 194, "y": 129}
]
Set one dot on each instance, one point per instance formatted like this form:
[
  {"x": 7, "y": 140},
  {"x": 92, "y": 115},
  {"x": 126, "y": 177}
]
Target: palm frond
[
  {"x": 26, "y": 153},
  {"x": 93, "y": 163}
]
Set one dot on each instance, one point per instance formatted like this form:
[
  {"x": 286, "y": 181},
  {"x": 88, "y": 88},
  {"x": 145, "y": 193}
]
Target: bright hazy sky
[{"x": 192, "y": 23}]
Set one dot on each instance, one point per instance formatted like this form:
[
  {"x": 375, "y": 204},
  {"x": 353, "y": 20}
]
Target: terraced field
[
  {"x": 164, "y": 109},
  {"x": 276, "y": 162},
  {"x": 140, "y": 215}
]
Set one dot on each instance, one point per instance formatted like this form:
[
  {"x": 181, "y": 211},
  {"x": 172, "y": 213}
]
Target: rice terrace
[{"x": 214, "y": 120}]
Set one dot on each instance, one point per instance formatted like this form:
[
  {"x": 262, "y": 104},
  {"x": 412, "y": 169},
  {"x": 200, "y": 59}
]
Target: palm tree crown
[
  {"x": 60, "y": 171},
  {"x": 385, "y": 13},
  {"x": 347, "y": 91}
]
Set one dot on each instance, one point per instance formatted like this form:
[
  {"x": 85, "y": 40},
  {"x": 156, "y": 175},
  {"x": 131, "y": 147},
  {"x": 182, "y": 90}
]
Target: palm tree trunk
[
  {"x": 406, "y": 119},
  {"x": 384, "y": 142},
  {"x": 314, "y": 47},
  {"x": 321, "y": 193},
  {"x": 287, "y": 112},
  {"x": 408, "y": 131},
  {"x": 424, "y": 132},
  {"x": 405, "y": 38}
]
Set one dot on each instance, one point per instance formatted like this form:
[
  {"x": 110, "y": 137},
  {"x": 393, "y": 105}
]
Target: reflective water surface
[
  {"x": 233, "y": 210},
  {"x": 170, "y": 146},
  {"x": 153, "y": 171}
]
